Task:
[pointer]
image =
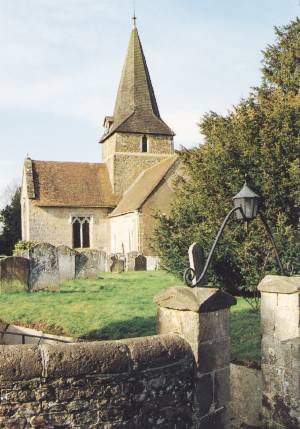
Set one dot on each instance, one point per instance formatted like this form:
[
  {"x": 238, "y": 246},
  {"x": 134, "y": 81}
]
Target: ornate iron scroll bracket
[{"x": 189, "y": 273}]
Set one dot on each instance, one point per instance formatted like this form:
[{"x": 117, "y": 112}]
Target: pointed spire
[{"x": 136, "y": 108}]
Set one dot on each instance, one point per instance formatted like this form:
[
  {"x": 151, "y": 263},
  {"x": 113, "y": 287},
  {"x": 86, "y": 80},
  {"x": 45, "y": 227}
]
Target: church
[{"x": 109, "y": 205}]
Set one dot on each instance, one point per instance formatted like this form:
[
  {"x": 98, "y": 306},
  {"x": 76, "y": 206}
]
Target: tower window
[
  {"x": 144, "y": 144},
  {"x": 81, "y": 231}
]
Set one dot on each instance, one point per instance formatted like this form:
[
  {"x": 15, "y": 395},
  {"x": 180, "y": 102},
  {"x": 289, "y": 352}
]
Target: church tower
[{"x": 135, "y": 136}]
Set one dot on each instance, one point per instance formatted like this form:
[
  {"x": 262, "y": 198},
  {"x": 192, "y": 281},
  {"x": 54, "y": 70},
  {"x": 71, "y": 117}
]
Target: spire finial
[{"x": 134, "y": 17}]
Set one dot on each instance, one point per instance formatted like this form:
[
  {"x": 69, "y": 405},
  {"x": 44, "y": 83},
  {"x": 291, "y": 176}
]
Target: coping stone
[
  {"x": 199, "y": 300},
  {"x": 157, "y": 350},
  {"x": 105, "y": 357},
  {"x": 280, "y": 284},
  {"x": 20, "y": 362}
]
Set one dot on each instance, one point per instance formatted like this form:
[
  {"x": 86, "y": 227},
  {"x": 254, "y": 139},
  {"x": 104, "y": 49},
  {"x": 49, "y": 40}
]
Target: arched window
[
  {"x": 81, "y": 232},
  {"x": 144, "y": 144}
]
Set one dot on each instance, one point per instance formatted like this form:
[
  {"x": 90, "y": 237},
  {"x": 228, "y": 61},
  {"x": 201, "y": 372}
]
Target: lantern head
[{"x": 248, "y": 201}]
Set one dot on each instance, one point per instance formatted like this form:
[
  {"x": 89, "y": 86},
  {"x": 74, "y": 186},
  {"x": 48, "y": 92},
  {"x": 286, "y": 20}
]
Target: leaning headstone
[
  {"x": 66, "y": 263},
  {"x": 44, "y": 270},
  {"x": 14, "y": 269},
  {"x": 117, "y": 263},
  {"x": 140, "y": 263},
  {"x": 130, "y": 261},
  {"x": 197, "y": 260},
  {"x": 90, "y": 262}
]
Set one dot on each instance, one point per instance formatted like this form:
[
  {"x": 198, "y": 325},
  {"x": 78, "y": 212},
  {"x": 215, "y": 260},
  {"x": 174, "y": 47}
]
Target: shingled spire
[{"x": 136, "y": 109}]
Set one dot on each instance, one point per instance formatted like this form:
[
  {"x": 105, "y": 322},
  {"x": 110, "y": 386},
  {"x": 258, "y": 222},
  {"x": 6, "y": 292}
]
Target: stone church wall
[
  {"x": 126, "y": 142},
  {"x": 124, "y": 233},
  {"x": 128, "y": 166},
  {"x": 123, "y": 155},
  {"x": 159, "y": 201},
  {"x": 53, "y": 225}
]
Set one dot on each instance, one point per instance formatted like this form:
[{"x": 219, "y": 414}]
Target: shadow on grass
[
  {"x": 82, "y": 292},
  {"x": 135, "y": 327},
  {"x": 245, "y": 333}
]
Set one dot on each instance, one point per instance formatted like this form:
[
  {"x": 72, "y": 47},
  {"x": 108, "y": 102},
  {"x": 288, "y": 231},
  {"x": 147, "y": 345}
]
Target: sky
[{"x": 61, "y": 62}]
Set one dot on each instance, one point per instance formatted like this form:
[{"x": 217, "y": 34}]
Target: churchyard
[
  {"x": 153, "y": 289},
  {"x": 115, "y": 306}
]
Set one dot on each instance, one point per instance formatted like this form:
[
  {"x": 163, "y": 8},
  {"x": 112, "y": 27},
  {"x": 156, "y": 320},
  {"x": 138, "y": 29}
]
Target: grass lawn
[{"x": 115, "y": 306}]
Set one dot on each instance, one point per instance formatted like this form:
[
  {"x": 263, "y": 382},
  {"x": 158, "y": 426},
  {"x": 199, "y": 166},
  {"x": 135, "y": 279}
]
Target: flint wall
[{"x": 138, "y": 383}]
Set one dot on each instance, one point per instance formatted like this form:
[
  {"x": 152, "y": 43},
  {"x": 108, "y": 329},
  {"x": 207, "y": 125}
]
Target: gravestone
[
  {"x": 197, "y": 260},
  {"x": 88, "y": 263},
  {"x": 44, "y": 270},
  {"x": 140, "y": 263},
  {"x": 14, "y": 269},
  {"x": 130, "y": 261},
  {"x": 152, "y": 263},
  {"x": 117, "y": 263},
  {"x": 66, "y": 263},
  {"x": 135, "y": 262}
]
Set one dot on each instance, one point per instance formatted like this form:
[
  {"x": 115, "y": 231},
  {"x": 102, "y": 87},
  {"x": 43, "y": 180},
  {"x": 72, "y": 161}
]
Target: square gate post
[
  {"x": 201, "y": 317},
  {"x": 280, "y": 316}
]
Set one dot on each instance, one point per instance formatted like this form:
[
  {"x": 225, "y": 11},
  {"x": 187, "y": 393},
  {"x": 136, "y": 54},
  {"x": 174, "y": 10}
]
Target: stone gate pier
[
  {"x": 201, "y": 317},
  {"x": 280, "y": 316}
]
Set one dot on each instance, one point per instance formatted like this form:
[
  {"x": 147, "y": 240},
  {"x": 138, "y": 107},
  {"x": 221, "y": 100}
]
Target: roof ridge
[
  {"x": 157, "y": 182},
  {"x": 70, "y": 162},
  {"x": 172, "y": 158}
]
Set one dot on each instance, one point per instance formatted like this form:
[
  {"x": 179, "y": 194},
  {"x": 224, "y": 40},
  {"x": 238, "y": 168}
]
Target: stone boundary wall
[
  {"x": 177, "y": 379},
  {"x": 20, "y": 335},
  {"x": 246, "y": 397},
  {"x": 136, "y": 383}
]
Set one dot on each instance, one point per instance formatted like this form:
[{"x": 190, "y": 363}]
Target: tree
[
  {"x": 260, "y": 138},
  {"x": 10, "y": 217}
]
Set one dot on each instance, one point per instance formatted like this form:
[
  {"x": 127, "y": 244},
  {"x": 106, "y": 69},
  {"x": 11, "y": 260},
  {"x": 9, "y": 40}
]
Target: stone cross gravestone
[{"x": 197, "y": 260}]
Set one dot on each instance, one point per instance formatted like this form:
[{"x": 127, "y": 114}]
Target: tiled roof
[
  {"x": 136, "y": 109},
  {"x": 143, "y": 187},
  {"x": 72, "y": 184}
]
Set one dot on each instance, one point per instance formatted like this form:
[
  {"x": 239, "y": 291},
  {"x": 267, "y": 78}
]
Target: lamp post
[{"x": 245, "y": 207}]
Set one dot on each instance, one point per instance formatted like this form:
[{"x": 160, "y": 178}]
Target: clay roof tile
[{"x": 72, "y": 184}]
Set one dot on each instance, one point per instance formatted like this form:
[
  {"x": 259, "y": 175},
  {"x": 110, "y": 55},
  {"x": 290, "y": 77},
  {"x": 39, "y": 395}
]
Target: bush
[
  {"x": 259, "y": 138},
  {"x": 23, "y": 245}
]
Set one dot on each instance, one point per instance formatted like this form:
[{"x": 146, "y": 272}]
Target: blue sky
[{"x": 61, "y": 62}]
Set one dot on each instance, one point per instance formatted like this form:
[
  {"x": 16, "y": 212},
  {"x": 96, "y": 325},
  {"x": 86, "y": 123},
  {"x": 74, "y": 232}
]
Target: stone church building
[{"x": 108, "y": 205}]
